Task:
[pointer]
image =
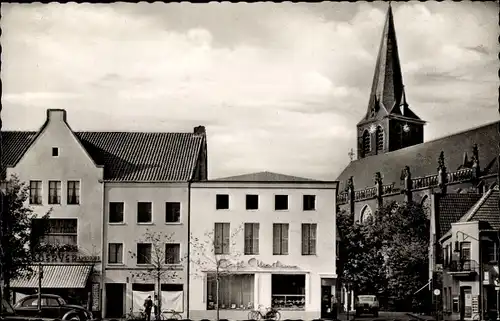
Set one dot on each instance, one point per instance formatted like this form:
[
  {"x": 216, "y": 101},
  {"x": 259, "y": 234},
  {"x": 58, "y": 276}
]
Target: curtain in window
[
  {"x": 235, "y": 291},
  {"x": 280, "y": 239},
  {"x": 73, "y": 192},
  {"x": 172, "y": 253},
  {"x": 251, "y": 238},
  {"x": 221, "y": 238}
]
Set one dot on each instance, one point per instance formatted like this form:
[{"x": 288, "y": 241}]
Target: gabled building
[
  {"x": 105, "y": 190},
  {"x": 279, "y": 232}
]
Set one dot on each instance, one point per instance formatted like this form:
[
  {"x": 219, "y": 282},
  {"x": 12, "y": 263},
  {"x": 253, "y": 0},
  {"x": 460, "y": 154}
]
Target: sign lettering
[
  {"x": 68, "y": 257},
  {"x": 95, "y": 296}
]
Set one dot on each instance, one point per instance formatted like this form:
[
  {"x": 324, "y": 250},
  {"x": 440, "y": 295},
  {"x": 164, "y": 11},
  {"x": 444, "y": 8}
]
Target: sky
[{"x": 279, "y": 86}]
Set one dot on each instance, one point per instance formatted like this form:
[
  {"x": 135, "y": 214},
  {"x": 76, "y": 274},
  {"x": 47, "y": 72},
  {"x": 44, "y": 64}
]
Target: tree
[
  {"x": 161, "y": 267},
  {"x": 19, "y": 247},
  {"x": 208, "y": 254}
]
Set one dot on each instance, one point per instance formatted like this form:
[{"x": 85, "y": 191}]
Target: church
[{"x": 393, "y": 161}]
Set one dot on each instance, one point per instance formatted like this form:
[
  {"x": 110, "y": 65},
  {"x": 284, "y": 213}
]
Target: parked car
[
  {"x": 52, "y": 306},
  {"x": 9, "y": 314},
  {"x": 367, "y": 304}
]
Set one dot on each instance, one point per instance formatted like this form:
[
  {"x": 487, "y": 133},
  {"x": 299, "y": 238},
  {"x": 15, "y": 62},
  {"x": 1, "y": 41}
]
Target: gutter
[
  {"x": 103, "y": 246},
  {"x": 189, "y": 250}
]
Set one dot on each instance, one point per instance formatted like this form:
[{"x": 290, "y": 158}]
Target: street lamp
[{"x": 457, "y": 250}]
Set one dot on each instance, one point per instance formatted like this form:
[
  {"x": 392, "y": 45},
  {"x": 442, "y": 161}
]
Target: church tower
[{"x": 389, "y": 124}]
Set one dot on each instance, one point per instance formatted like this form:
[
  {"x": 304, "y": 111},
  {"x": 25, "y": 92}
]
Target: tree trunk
[
  {"x": 217, "y": 295},
  {"x": 159, "y": 297}
]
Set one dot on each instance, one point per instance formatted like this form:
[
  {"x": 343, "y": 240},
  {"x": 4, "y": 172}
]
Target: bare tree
[
  {"x": 161, "y": 267},
  {"x": 216, "y": 256}
]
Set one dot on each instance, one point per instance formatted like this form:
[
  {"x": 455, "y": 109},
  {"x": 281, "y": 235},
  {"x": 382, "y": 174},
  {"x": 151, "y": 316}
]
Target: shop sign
[
  {"x": 96, "y": 293},
  {"x": 260, "y": 264},
  {"x": 68, "y": 257}
]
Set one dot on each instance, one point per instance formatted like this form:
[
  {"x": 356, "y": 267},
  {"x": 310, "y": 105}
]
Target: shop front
[
  {"x": 74, "y": 278},
  {"x": 294, "y": 292}
]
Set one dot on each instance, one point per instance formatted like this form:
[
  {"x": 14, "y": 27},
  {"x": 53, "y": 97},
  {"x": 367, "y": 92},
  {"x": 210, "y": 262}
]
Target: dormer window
[{"x": 55, "y": 151}]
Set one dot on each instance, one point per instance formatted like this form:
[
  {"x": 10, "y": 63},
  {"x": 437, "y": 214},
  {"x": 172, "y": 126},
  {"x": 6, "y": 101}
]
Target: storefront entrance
[
  {"x": 114, "y": 300},
  {"x": 326, "y": 302}
]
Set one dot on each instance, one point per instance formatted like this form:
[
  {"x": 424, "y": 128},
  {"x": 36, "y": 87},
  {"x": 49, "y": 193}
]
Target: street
[{"x": 383, "y": 315}]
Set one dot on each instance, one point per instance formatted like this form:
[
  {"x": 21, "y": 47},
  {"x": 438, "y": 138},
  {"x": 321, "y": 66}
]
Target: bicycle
[
  {"x": 140, "y": 315},
  {"x": 170, "y": 315},
  {"x": 270, "y": 314}
]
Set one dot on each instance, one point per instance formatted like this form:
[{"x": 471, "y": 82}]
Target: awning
[
  {"x": 423, "y": 287},
  {"x": 56, "y": 276}
]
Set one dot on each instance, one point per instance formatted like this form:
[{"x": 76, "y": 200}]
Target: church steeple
[{"x": 388, "y": 110}]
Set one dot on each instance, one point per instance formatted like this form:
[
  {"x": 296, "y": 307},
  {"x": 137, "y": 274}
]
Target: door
[
  {"x": 51, "y": 308},
  {"x": 326, "y": 295},
  {"x": 114, "y": 300}
]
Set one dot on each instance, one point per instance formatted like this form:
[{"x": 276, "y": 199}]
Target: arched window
[
  {"x": 380, "y": 138},
  {"x": 366, "y": 212},
  {"x": 366, "y": 141}
]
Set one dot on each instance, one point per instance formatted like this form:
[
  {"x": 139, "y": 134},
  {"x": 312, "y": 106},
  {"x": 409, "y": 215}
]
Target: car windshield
[{"x": 366, "y": 298}]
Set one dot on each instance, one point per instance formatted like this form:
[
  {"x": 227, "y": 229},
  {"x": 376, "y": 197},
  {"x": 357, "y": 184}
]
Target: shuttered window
[
  {"x": 309, "y": 239},
  {"x": 280, "y": 239},
  {"x": 251, "y": 238},
  {"x": 221, "y": 238}
]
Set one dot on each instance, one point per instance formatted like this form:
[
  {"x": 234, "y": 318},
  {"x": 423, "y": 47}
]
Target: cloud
[{"x": 279, "y": 86}]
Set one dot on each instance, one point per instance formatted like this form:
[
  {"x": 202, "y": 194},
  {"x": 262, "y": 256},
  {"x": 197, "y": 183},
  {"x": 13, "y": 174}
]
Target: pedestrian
[
  {"x": 148, "y": 304},
  {"x": 334, "y": 307}
]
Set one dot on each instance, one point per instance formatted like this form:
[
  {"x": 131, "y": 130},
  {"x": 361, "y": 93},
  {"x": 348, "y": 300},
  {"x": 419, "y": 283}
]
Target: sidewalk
[{"x": 421, "y": 317}]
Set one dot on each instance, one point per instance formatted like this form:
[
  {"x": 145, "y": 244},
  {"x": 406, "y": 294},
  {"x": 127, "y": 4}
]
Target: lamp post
[{"x": 457, "y": 250}]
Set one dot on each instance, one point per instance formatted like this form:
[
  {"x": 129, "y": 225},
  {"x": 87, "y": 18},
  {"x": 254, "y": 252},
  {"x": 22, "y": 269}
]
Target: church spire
[{"x": 387, "y": 87}]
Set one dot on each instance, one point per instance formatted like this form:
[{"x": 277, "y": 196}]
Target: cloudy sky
[{"x": 279, "y": 87}]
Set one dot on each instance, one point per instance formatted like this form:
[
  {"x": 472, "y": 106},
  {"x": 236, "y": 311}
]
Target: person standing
[
  {"x": 334, "y": 307},
  {"x": 148, "y": 304}
]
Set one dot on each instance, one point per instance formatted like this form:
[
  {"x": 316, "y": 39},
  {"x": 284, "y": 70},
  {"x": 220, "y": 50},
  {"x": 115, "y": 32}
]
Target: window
[
  {"x": 489, "y": 250},
  {"x": 73, "y": 192},
  {"x": 280, "y": 202},
  {"x": 36, "y": 192},
  {"x": 252, "y": 202},
  {"x": 222, "y": 201},
  {"x": 143, "y": 253},
  {"x": 280, "y": 239},
  {"x": 380, "y": 138},
  {"x": 445, "y": 254},
  {"x": 465, "y": 251},
  {"x": 309, "y": 202},
  {"x": 366, "y": 212},
  {"x": 172, "y": 253},
  {"x": 62, "y": 231},
  {"x": 55, "y": 151},
  {"x": 309, "y": 239},
  {"x": 251, "y": 238},
  {"x": 144, "y": 213},
  {"x": 172, "y": 212},
  {"x": 366, "y": 142},
  {"x": 288, "y": 291},
  {"x": 116, "y": 212},
  {"x": 222, "y": 238},
  {"x": 115, "y": 253},
  {"x": 54, "y": 192},
  {"x": 236, "y": 291}
]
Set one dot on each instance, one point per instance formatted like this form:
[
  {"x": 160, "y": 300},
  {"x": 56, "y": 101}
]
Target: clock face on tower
[{"x": 372, "y": 129}]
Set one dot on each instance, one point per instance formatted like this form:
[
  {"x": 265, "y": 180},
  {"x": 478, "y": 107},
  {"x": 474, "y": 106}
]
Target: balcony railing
[
  {"x": 289, "y": 301},
  {"x": 463, "y": 266}
]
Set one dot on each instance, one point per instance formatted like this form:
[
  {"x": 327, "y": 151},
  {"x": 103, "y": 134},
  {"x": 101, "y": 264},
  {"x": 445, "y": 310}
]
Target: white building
[
  {"x": 106, "y": 189},
  {"x": 279, "y": 233}
]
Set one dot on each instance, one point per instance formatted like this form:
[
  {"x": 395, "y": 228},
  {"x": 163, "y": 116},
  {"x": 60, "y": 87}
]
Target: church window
[
  {"x": 380, "y": 138},
  {"x": 366, "y": 141},
  {"x": 366, "y": 212}
]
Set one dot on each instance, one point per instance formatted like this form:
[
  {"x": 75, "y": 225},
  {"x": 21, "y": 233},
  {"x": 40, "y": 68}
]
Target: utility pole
[{"x": 40, "y": 277}]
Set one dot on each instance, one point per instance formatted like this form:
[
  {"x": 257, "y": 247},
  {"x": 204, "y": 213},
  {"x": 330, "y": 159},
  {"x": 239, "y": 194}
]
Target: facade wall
[
  {"x": 129, "y": 233},
  {"x": 313, "y": 267}
]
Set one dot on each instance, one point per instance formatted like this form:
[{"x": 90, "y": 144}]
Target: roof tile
[{"x": 451, "y": 207}]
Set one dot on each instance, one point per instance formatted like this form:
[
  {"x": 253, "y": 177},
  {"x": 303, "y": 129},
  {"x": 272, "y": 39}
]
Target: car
[
  {"x": 9, "y": 314},
  {"x": 366, "y": 304},
  {"x": 52, "y": 306}
]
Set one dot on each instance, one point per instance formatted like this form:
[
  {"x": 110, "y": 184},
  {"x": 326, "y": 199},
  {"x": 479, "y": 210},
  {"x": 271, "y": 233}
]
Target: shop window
[
  {"x": 455, "y": 305},
  {"x": 309, "y": 203},
  {"x": 288, "y": 291},
  {"x": 280, "y": 202},
  {"x": 172, "y": 253},
  {"x": 280, "y": 239},
  {"x": 172, "y": 212},
  {"x": 143, "y": 253},
  {"x": 35, "y": 192},
  {"x": 144, "y": 212},
  {"x": 54, "y": 192},
  {"x": 251, "y": 238},
  {"x": 222, "y": 238},
  {"x": 116, "y": 212},
  {"x": 235, "y": 291},
  {"x": 222, "y": 201},
  {"x": 73, "y": 195},
  {"x": 172, "y": 297},
  {"x": 252, "y": 202},
  {"x": 309, "y": 239}
]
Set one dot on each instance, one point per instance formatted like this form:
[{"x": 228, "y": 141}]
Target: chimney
[
  {"x": 199, "y": 131},
  {"x": 56, "y": 114}
]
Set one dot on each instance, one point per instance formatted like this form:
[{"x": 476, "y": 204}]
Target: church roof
[
  {"x": 387, "y": 93},
  {"x": 265, "y": 177},
  {"x": 126, "y": 156},
  {"x": 422, "y": 158}
]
